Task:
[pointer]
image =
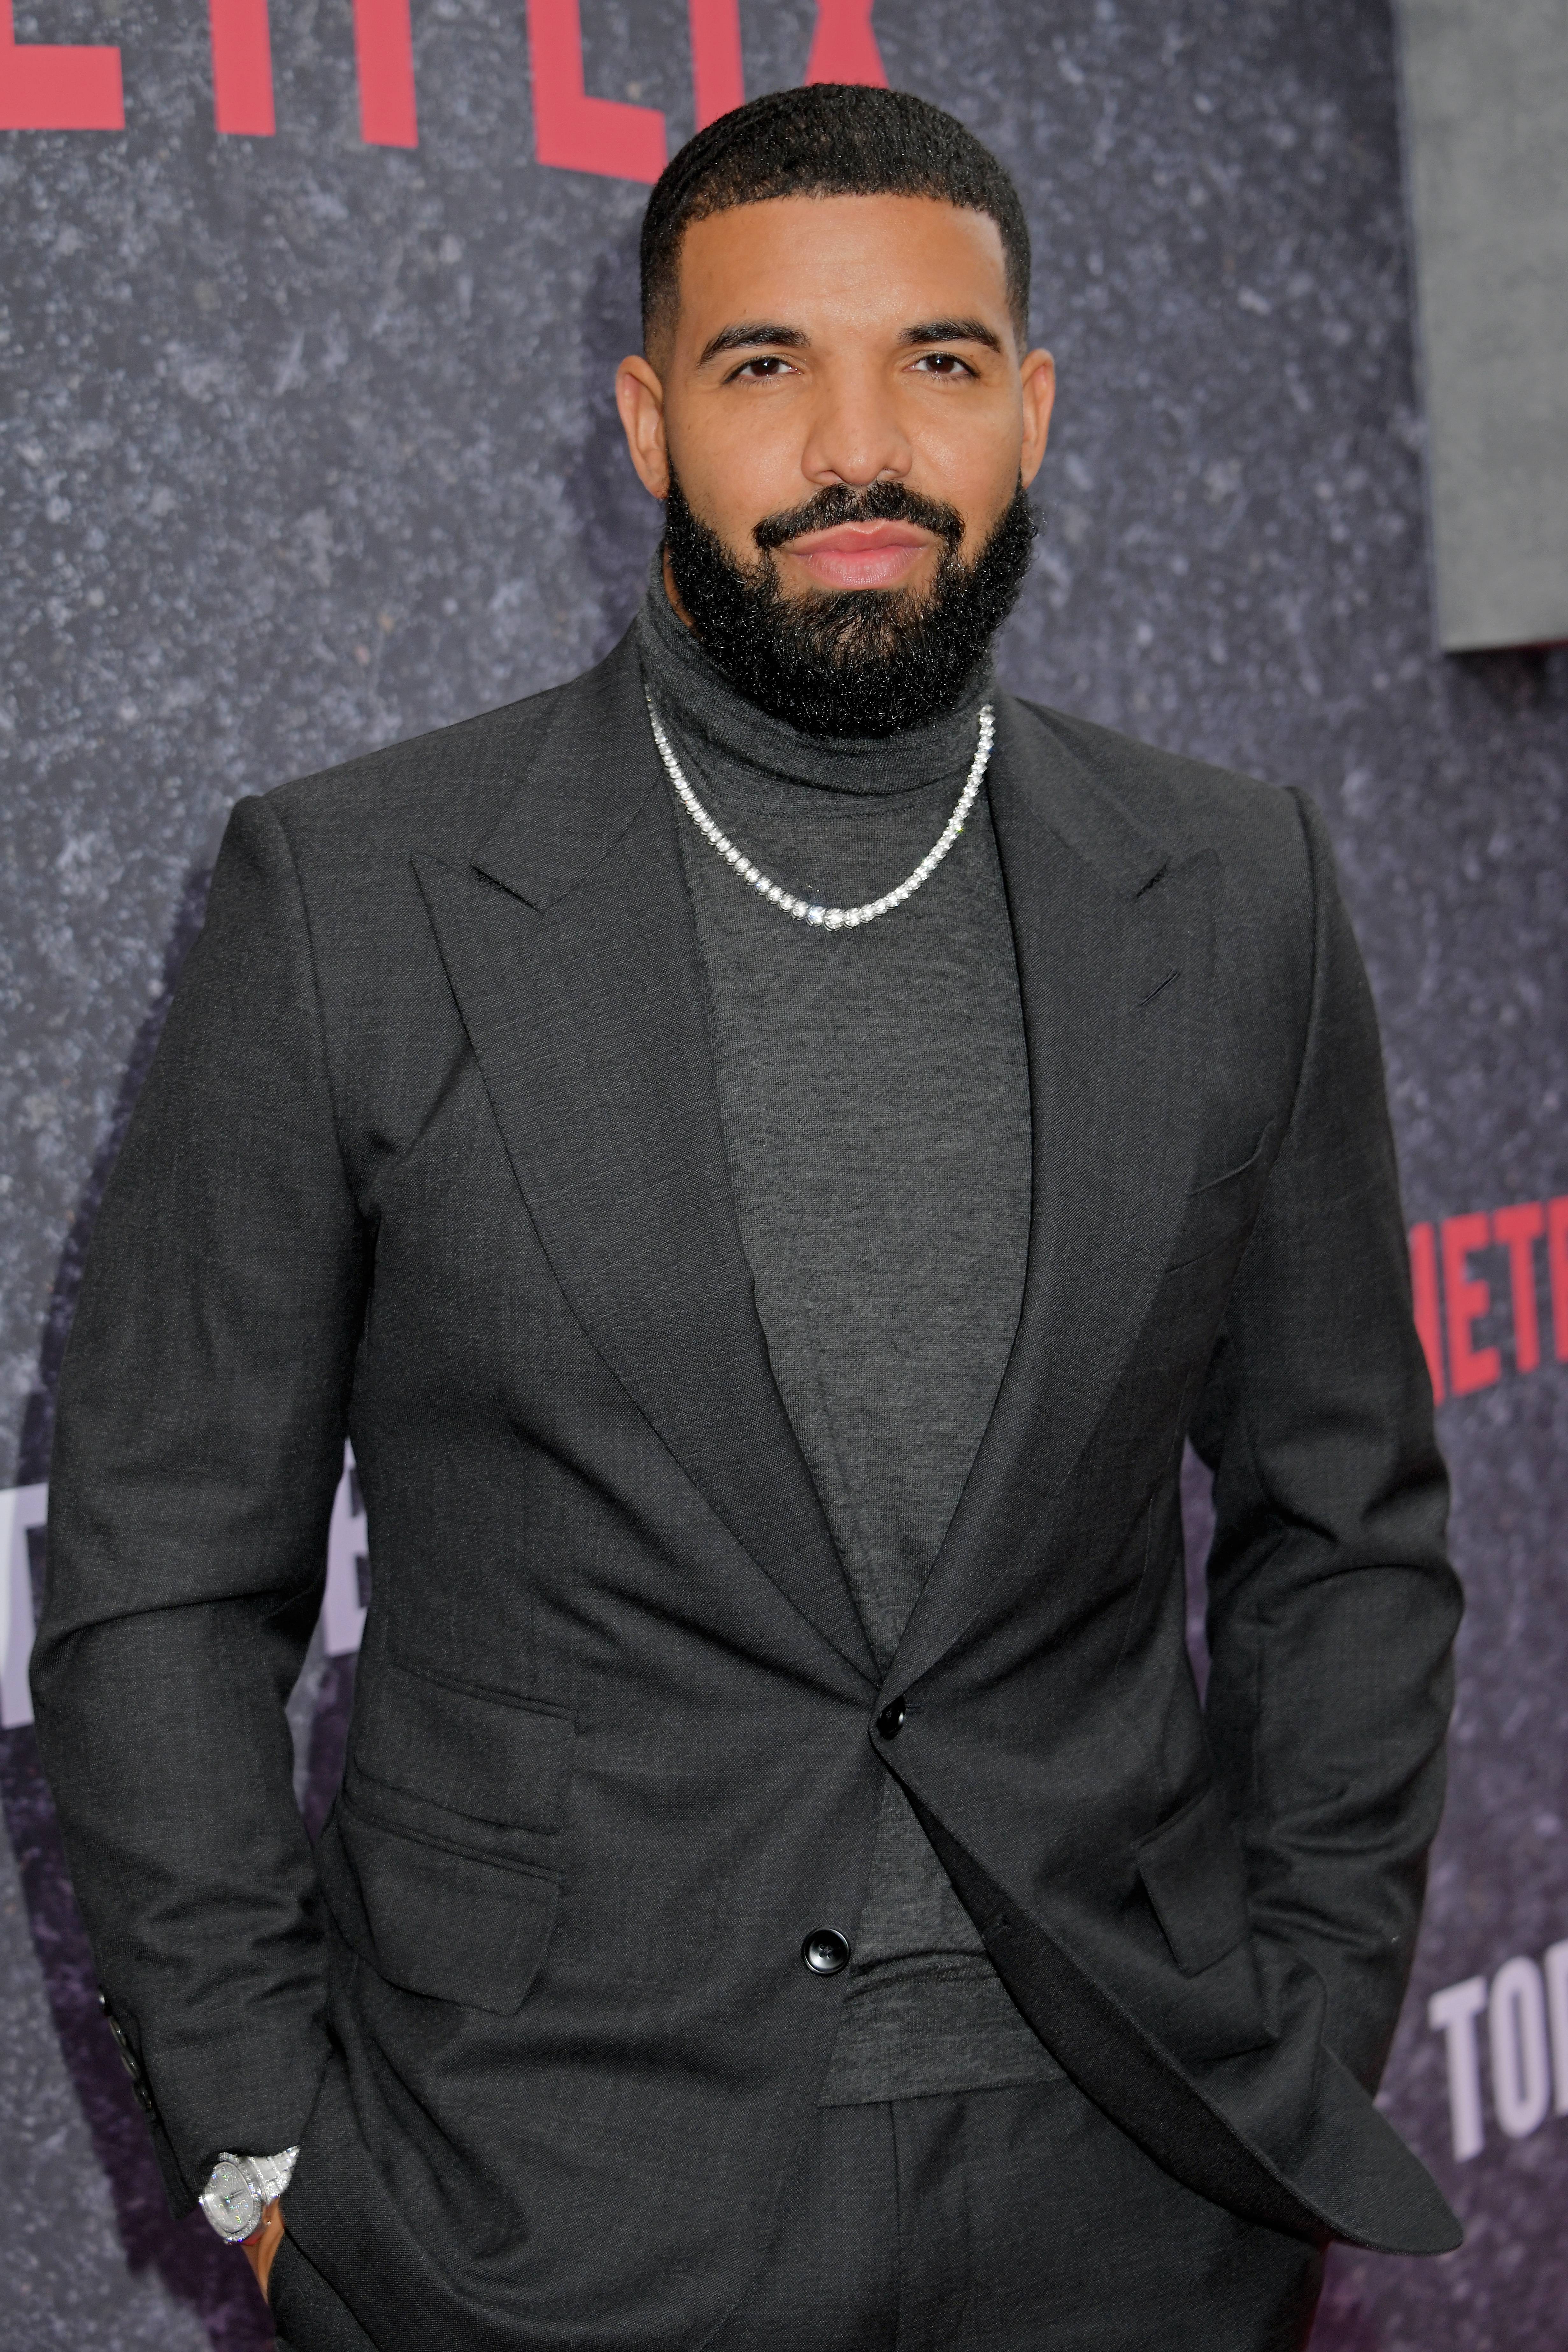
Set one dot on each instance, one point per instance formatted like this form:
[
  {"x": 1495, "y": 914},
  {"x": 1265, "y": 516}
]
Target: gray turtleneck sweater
[{"x": 874, "y": 1097}]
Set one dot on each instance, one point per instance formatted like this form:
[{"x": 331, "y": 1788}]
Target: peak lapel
[
  {"x": 571, "y": 949},
  {"x": 1112, "y": 943}
]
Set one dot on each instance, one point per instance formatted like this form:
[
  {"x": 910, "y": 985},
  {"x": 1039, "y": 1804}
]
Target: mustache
[{"x": 879, "y": 502}]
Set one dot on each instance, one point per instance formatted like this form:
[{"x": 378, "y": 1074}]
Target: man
[{"x": 770, "y": 1150}]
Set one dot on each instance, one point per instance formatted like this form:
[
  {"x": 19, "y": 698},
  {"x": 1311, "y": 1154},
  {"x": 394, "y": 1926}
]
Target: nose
[{"x": 854, "y": 436}]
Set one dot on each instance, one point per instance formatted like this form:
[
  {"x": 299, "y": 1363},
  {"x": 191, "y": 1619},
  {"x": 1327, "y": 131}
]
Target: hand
[{"x": 261, "y": 2246}]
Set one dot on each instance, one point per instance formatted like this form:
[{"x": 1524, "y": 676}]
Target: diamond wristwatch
[{"x": 240, "y": 2188}]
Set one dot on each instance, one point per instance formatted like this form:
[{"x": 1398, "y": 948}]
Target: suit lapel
[
  {"x": 571, "y": 947},
  {"x": 1113, "y": 945}
]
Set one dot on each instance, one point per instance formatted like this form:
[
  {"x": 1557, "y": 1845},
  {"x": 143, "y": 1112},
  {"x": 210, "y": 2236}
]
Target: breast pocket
[{"x": 439, "y": 1862}]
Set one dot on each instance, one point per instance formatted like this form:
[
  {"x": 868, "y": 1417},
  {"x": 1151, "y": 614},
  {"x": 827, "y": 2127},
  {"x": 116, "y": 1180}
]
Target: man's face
[{"x": 825, "y": 345}]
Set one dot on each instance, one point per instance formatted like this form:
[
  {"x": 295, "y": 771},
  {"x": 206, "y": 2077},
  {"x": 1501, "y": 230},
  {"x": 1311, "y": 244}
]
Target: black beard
[{"x": 858, "y": 661}]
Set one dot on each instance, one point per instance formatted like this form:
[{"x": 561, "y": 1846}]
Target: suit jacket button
[
  {"x": 890, "y": 1722},
  {"x": 825, "y": 1952}
]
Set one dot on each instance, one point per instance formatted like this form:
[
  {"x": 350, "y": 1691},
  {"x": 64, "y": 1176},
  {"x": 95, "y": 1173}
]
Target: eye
[
  {"x": 943, "y": 363},
  {"x": 766, "y": 370}
]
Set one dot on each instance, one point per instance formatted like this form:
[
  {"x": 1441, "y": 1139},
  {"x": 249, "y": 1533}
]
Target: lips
[
  {"x": 860, "y": 537},
  {"x": 861, "y": 554}
]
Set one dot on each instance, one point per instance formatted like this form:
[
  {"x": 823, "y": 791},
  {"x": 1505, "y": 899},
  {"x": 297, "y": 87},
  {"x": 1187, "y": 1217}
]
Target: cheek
[
  {"x": 734, "y": 476},
  {"x": 971, "y": 463},
  {"x": 985, "y": 509}
]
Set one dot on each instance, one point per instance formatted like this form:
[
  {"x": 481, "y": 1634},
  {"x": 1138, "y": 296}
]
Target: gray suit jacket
[{"x": 431, "y": 1154}]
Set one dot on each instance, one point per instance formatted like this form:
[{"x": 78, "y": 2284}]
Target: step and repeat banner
[{"x": 309, "y": 319}]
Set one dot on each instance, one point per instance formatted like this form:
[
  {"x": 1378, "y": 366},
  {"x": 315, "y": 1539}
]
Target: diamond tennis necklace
[{"x": 806, "y": 911}]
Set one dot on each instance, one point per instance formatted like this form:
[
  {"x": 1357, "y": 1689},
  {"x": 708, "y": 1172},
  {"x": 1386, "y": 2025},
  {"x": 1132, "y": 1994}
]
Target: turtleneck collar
[{"x": 689, "y": 688}]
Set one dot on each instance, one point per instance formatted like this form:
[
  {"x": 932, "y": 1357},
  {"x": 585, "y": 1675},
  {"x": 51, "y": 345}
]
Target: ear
[
  {"x": 639, "y": 397},
  {"x": 1039, "y": 389}
]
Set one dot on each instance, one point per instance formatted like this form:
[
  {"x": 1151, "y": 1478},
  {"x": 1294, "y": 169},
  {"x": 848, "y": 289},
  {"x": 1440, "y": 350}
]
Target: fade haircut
[{"x": 834, "y": 139}]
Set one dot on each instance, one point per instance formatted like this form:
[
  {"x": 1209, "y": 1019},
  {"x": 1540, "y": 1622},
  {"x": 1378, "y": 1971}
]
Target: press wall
[{"x": 308, "y": 327}]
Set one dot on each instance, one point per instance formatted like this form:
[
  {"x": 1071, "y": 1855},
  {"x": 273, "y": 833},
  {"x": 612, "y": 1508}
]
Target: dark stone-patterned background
[{"x": 311, "y": 445}]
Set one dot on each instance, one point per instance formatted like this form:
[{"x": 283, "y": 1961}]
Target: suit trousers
[{"x": 1017, "y": 2219}]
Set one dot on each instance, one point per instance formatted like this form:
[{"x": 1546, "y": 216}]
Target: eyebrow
[
  {"x": 753, "y": 333},
  {"x": 952, "y": 331},
  {"x": 750, "y": 332}
]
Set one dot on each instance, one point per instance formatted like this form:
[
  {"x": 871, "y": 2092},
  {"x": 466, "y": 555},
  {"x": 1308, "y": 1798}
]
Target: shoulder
[
  {"x": 1260, "y": 833},
  {"x": 443, "y": 793}
]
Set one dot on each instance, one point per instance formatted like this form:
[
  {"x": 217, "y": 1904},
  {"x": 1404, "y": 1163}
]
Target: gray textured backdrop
[
  {"x": 1486, "y": 113},
  {"x": 311, "y": 446}
]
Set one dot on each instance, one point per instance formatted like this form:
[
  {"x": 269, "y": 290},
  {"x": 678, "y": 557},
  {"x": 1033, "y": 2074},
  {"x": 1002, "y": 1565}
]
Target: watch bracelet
[{"x": 272, "y": 2174}]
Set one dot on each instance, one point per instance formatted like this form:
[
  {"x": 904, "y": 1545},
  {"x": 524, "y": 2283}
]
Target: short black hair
[{"x": 832, "y": 139}]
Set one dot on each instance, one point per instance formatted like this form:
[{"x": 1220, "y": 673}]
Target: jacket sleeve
[
  {"x": 199, "y": 1442},
  {"x": 1332, "y": 1607}
]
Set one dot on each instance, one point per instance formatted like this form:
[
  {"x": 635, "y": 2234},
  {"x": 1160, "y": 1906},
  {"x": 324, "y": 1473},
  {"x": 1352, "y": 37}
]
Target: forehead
[{"x": 851, "y": 261}]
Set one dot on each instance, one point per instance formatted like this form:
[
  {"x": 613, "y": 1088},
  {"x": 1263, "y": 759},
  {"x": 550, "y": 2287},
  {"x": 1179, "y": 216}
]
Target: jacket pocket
[
  {"x": 1194, "y": 1875},
  {"x": 1222, "y": 1210},
  {"x": 480, "y": 1754},
  {"x": 434, "y": 1917}
]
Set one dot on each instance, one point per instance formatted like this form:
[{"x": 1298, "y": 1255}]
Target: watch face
[{"x": 229, "y": 2201}]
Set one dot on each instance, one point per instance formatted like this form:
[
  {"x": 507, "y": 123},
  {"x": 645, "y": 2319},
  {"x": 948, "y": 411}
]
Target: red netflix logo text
[
  {"x": 47, "y": 86},
  {"x": 1452, "y": 1297}
]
